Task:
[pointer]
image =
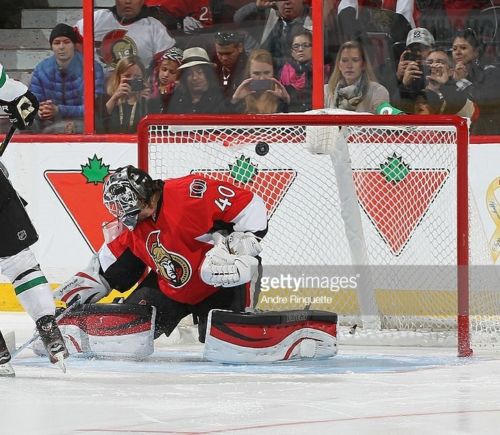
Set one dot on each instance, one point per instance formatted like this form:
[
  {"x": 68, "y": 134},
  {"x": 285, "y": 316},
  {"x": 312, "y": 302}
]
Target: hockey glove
[
  {"x": 222, "y": 269},
  {"x": 88, "y": 284},
  {"x": 22, "y": 110},
  {"x": 240, "y": 243}
]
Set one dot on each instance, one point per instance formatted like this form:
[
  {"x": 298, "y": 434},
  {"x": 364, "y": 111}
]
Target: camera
[
  {"x": 420, "y": 82},
  {"x": 261, "y": 85},
  {"x": 136, "y": 85},
  {"x": 410, "y": 55}
]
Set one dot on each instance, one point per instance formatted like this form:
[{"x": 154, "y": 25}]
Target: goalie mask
[{"x": 126, "y": 193}]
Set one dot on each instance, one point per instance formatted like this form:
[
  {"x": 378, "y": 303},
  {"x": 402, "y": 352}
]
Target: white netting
[{"x": 381, "y": 212}]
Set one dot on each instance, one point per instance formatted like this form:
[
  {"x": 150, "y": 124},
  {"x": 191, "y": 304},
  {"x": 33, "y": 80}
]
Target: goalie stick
[
  {"x": 70, "y": 307},
  {"x": 7, "y": 139}
]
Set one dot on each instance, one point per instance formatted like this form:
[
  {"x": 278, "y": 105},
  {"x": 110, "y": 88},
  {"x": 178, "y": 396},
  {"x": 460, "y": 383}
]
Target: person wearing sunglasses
[{"x": 296, "y": 74}]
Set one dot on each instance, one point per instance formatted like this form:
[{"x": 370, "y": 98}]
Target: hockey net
[{"x": 368, "y": 217}]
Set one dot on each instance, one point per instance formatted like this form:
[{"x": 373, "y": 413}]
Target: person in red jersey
[
  {"x": 199, "y": 237},
  {"x": 191, "y": 15}
]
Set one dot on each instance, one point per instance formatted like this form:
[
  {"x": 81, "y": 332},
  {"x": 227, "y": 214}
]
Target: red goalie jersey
[{"x": 174, "y": 244}]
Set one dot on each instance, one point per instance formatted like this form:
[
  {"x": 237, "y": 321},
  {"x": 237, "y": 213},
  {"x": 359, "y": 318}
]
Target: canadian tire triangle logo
[
  {"x": 396, "y": 198},
  {"x": 80, "y": 193}
]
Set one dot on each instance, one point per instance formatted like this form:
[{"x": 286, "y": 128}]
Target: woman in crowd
[
  {"x": 296, "y": 74},
  {"x": 198, "y": 91},
  {"x": 260, "y": 92},
  {"x": 352, "y": 85},
  {"x": 481, "y": 82},
  {"x": 128, "y": 97}
]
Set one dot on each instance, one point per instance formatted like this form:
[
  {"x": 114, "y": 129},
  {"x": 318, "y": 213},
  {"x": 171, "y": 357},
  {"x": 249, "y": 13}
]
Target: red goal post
[{"x": 228, "y": 146}]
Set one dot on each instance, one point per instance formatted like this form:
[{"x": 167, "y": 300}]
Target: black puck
[{"x": 262, "y": 148}]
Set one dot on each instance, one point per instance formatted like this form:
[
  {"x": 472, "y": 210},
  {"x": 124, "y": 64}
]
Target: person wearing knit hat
[
  {"x": 57, "y": 82},
  {"x": 64, "y": 30}
]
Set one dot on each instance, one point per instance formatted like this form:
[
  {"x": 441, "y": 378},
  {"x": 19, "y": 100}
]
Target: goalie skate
[
  {"x": 52, "y": 340},
  {"x": 5, "y": 367}
]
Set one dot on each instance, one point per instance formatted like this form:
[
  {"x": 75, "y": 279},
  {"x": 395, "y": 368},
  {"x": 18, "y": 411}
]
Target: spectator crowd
[{"x": 256, "y": 56}]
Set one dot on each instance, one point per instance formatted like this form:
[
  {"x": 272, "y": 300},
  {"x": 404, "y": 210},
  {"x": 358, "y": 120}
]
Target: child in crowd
[
  {"x": 165, "y": 78},
  {"x": 296, "y": 74}
]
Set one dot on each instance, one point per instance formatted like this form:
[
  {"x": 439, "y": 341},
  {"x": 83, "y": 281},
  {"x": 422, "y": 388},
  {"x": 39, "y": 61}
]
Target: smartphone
[
  {"x": 261, "y": 85},
  {"x": 136, "y": 85}
]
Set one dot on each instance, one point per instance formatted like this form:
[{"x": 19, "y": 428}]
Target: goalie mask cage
[{"x": 369, "y": 217}]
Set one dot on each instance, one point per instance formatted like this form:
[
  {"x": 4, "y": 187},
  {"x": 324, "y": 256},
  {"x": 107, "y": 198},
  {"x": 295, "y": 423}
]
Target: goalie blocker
[{"x": 270, "y": 336}]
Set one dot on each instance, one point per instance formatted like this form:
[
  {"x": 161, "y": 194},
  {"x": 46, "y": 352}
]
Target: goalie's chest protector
[{"x": 176, "y": 242}]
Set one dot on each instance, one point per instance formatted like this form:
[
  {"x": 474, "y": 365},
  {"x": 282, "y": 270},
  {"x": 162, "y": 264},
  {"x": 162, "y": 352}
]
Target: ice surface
[{"x": 364, "y": 390}]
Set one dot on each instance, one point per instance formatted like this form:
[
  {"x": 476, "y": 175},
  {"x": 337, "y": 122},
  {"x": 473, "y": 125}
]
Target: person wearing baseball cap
[
  {"x": 57, "y": 82},
  {"x": 420, "y": 35}
]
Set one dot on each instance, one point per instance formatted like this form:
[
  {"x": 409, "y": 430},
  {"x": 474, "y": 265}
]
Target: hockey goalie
[{"x": 191, "y": 246}]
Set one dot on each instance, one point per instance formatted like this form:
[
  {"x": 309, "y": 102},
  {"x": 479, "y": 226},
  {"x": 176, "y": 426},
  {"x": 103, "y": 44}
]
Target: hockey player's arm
[
  {"x": 250, "y": 226},
  {"x": 17, "y": 101},
  {"x": 232, "y": 261},
  {"x": 89, "y": 285}
]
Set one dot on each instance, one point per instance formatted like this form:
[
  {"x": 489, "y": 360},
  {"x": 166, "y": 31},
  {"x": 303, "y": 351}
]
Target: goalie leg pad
[
  {"x": 107, "y": 330},
  {"x": 242, "y": 338}
]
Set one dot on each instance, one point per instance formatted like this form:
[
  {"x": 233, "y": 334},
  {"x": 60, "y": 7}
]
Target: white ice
[{"x": 364, "y": 390}]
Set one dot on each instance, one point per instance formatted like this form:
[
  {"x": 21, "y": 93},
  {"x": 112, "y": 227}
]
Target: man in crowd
[
  {"x": 57, "y": 82},
  {"x": 127, "y": 29}
]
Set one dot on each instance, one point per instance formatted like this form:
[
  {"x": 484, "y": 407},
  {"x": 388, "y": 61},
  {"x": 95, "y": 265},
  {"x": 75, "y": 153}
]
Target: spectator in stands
[
  {"x": 127, "y": 30},
  {"x": 346, "y": 20},
  {"x": 260, "y": 92},
  {"x": 289, "y": 17},
  {"x": 410, "y": 78},
  {"x": 128, "y": 97},
  {"x": 419, "y": 42},
  {"x": 188, "y": 15},
  {"x": 481, "y": 82},
  {"x": 165, "y": 78},
  {"x": 230, "y": 61},
  {"x": 296, "y": 74},
  {"x": 57, "y": 82},
  {"x": 198, "y": 91},
  {"x": 352, "y": 85},
  {"x": 441, "y": 93}
]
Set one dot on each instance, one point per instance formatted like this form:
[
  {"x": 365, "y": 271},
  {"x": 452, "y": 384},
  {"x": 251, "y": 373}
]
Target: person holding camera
[
  {"x": 128, "y": 97},
  {"x": 412, "y": 70},
  {"x": 352, "y": 85},
  {"x": 260, "y": 92}
]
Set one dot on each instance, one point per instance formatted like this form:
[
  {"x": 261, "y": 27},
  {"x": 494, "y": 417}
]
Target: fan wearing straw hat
[{"x": 198, "y": 91}]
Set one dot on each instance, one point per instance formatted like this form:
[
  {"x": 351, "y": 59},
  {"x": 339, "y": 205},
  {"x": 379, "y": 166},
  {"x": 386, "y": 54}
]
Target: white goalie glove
[
  {"x": 222, "y": 269},
  {"x": 240, "y": 243},
  {"x": 88, "y": 284}
]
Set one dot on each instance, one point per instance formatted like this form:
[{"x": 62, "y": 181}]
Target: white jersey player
[{"x": 17, "y": 234}]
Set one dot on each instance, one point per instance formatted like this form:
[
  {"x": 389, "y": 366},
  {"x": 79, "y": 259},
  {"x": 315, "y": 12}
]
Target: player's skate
[
  {"x": 52, "y": 340},
  {"x": 5, "y": 367}
]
